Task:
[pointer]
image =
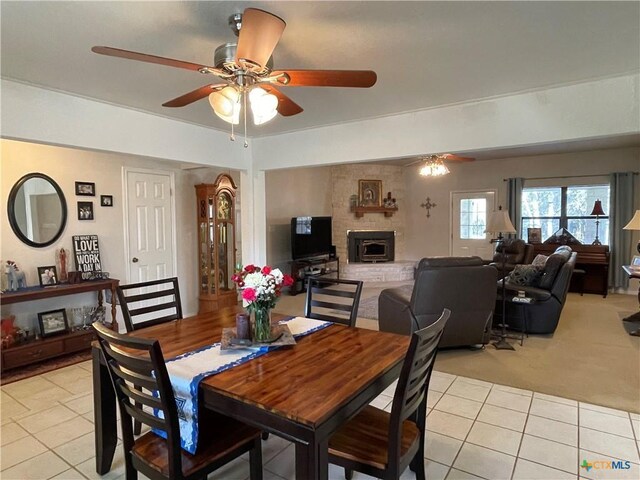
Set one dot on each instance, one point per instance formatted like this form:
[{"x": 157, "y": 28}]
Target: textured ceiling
[{"x": 425, "y": 53}]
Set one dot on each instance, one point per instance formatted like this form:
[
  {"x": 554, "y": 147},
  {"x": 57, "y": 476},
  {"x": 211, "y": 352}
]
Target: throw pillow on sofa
[
  {"x": 540, "y": 260},
  {"x": 525, "y": 275}
]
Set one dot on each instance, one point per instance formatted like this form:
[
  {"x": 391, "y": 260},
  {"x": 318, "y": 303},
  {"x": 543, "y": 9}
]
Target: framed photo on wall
[
  {"x": 53, "y": 322},
  {"x": 370, "y": 193},
  {"x": 87, "y": 189},
  {"x": 85, "y": 210},
  {"x": 48, "y": 276},
  {"x": 106, "y": 200}
]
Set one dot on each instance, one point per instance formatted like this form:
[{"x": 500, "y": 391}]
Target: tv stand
[{"x": 312, "y": 267}]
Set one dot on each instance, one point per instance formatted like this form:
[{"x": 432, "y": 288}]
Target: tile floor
[{"x": 476, "y": 430}]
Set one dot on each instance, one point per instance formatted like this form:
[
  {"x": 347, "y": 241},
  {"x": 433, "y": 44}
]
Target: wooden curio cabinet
[{"x": 216, "y": 243}]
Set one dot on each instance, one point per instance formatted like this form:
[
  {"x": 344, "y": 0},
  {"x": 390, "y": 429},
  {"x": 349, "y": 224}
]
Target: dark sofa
[
  {"x": 549, "y": 295},
  {"x": 464, "y": 285}
]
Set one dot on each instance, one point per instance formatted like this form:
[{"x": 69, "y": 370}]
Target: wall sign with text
[{"x": 87, "y": 255}]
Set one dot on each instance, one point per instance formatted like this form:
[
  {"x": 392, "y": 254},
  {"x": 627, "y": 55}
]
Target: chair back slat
[
  {"x": 133, "y": 377},
  {"x": 147, "y": 419},
  {"x": 410, "y": 398},
  {"x": 130, "y": 360},
  {"x": 141, "y": 397},
  {"x": 134, "y": 312},
  {"x": 140, "y": 301},
  {"x": 333, "y": 293},
  {"x": 335, "y": 306},
  {"x": 148, "y": 295},
  {"x": 333, "y": 300}
]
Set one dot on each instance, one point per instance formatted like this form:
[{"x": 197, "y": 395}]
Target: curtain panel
[
  {"x": 514, "y": 203},
  {"x": 622, "y": 191}
]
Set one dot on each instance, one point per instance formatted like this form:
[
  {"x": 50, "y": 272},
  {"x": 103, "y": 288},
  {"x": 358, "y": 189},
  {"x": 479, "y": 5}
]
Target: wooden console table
[{"x": 37, "y": 350}]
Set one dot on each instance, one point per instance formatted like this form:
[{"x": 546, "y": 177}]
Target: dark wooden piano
[{"x": 593, "y": 259}]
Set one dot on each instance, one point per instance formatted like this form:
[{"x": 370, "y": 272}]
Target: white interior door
[
  {"x": 150, "y": 223},
  {"x": 469, "y": 215}
]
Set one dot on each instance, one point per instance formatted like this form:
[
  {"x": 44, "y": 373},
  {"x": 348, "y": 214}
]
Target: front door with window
[{"x": 470, "y": 212}]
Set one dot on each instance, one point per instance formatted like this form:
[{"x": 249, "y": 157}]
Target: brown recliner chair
[
  {"x": 463, "y": 285},
  {"x": 515, "y": 251}
]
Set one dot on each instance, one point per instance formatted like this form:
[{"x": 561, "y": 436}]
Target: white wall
[
  {"x": 295, "y": 192},
  {"x": 66, "y": 166},
  {"x": 430, "y": 236}
]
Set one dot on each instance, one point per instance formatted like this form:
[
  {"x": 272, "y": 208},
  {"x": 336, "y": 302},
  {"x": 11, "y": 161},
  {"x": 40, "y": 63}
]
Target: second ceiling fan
[{"x": 246, "y": 70}]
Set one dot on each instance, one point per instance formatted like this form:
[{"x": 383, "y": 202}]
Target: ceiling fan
[
  {"x": 434, "y": 164},
  {"x": 246, "y": 70}
]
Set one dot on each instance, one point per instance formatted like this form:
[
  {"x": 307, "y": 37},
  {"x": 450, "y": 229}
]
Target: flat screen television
[{"x": 310, "y": 237}]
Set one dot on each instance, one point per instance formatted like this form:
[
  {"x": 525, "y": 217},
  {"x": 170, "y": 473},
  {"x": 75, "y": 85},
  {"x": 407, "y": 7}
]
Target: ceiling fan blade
[
  {"x": 326, "y": 78},
  {"x": 143, "y": 57},
  {"x": 456, "y": 158},
  {"x": 286, "y": 106},
  {"x": 259, "y": 35},
  {"x": 191, "y": 97}
]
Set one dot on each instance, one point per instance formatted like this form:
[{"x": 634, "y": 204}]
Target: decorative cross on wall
[{"x": 428, "y": 205}]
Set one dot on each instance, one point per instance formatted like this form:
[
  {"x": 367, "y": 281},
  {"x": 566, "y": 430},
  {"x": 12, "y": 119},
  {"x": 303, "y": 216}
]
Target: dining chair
[
  {"x": 161, "y": 303},
  {"x": 333, "y": 300},
  {"x": 383, "y": 444},
  {"x": 138, "y": 362}
]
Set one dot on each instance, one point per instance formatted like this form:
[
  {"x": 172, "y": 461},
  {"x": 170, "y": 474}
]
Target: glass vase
[{"x": 261, "y": 325}]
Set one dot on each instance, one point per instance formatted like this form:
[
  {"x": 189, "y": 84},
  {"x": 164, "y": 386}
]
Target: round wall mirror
[{"x": 37, "y": 210}]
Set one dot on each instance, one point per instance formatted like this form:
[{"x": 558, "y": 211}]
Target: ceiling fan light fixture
[
  {"x": 434, "y": 167},
  {"x": 264, "y": 106},
  {"x": 226, "y": 104}
]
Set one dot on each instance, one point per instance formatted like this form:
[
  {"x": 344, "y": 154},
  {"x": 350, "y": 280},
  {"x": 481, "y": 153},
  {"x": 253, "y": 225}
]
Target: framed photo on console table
[
  {"x": 534, "y": 235},
  {"x": 370, "y": 193},
  {"x": 53, "y": 322}
]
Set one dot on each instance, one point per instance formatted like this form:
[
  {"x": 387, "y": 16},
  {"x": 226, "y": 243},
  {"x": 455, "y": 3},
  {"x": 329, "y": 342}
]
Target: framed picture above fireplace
[{"x": 370, "y": 193}]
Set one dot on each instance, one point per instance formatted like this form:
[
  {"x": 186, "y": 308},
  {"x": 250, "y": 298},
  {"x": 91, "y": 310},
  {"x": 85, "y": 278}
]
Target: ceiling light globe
[
  {"x": 226, "y": 104},
  {"x": 263, "y": 105}
]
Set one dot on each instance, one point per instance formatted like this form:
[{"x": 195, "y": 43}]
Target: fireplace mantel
[{"x": 360, "y": 211}]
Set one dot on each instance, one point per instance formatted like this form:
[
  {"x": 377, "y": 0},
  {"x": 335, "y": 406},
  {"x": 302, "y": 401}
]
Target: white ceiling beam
[
  {"x": 596, "y": 109},
  {"x": 45, "y": 116}
]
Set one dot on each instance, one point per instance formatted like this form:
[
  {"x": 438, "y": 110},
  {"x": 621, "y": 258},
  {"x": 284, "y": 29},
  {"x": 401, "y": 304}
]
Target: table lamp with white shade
[
  {"x": 634, "y": 224},
  {"x": 499, "y": 223}
]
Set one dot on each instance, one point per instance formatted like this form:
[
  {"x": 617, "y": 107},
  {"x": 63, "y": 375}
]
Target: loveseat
[
  {"x": 548, "y": 289},
  {"x": 464, "y": 285}
]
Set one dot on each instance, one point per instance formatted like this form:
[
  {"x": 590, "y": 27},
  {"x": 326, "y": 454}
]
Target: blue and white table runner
[{"x": 186, "y": 371}]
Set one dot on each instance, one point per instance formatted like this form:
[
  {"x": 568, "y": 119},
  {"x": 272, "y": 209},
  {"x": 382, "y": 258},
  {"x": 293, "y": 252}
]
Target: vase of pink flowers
[{"x": 261, "y": 287}]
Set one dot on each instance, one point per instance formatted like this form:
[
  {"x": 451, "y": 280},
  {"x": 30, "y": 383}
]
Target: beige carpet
[{"x": 589, "y": 358}]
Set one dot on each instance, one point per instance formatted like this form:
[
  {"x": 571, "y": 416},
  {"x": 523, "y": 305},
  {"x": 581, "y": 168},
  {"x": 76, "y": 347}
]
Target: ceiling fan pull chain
[
  {"x": 244, "y": 108},
  {"x": 232, "y": 137}
]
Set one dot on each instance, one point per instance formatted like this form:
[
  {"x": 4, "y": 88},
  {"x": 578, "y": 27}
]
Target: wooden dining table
[{"x": 302, "y": 393}]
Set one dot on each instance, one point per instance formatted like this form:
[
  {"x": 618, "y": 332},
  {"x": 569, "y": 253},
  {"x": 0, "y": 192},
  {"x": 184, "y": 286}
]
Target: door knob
[{"x": 134, "y": 260}]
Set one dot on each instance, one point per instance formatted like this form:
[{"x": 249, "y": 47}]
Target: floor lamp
[{"x": 500, "y": 223}]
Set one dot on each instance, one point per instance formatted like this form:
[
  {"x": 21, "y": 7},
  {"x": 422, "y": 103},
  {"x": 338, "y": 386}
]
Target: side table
[
  {"x": 524, "y": 331},
  {"x": 633, "y": 319}
]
